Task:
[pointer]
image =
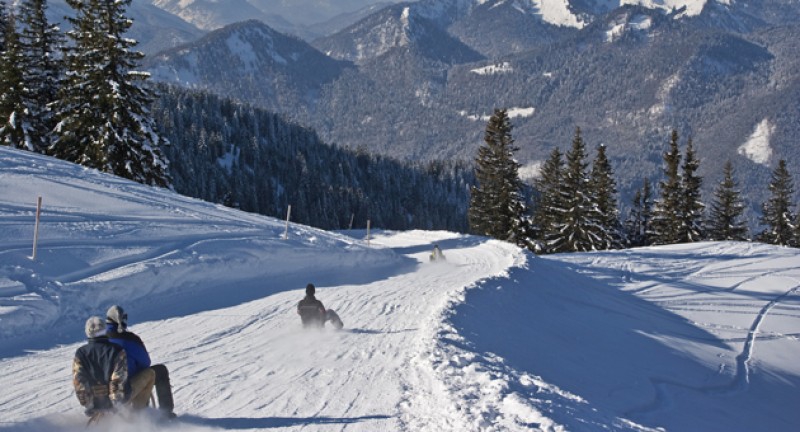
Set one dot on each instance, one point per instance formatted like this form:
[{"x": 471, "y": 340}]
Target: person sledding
[
  {"x": 437, "y": 254},
  {"x": 312, "y": 312},
  {"x": 100, "y": 374},
  {"x": 142, "y": 374}
]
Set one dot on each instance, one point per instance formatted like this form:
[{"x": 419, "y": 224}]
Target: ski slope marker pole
[
  {"x": 288, "y": 215},
  {"x": 36, "y": 227},
  {"x": 368, "y": 221},
  {"x": 352, "y": 216}
]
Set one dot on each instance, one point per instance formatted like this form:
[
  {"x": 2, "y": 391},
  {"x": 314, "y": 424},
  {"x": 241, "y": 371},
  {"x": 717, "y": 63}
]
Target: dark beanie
[{"x": 310, "y": 289}]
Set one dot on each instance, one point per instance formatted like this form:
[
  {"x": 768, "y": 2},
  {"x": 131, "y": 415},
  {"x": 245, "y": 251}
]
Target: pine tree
[
  {"x": 548, "y": 204},
  {"x": 603, "y": 188},
  {"x": 777, "y": 214},
  {"x": 692, "y": 207},
  {"x": 41, "y": 71},
  {"x": 726, "y": 211},
  {"x": 12, "y": 109},
  {"x": 638, "y": 223},
  {"x": 578, "y": 226},
  {"x": 496, "y": 206},
  {"x": 666, "y": 223},
  {"x": 103, "y": 114}
]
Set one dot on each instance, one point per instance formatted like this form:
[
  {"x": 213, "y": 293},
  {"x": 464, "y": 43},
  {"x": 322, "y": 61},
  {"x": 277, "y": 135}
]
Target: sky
[{"x": 697, "y": 337}]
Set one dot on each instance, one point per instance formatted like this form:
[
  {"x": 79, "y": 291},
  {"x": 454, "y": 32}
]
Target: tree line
[{"x": 573, "y": 205}]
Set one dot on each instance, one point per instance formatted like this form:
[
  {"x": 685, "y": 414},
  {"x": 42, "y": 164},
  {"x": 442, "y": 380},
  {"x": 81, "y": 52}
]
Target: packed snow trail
[{"x": 252, "y": 366}]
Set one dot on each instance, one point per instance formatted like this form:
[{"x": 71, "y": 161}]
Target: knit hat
[
  {"x": 117, "y": 315},
  {"x": 310, "y": 289},
  {"x": 95, "y": 327}
]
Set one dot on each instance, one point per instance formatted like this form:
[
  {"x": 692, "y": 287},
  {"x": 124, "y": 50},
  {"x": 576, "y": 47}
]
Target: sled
[{"x": 332, "y": 317}]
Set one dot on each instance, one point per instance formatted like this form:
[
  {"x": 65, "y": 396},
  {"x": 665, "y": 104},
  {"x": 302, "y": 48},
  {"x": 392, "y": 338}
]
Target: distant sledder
[
  {"x": 313, "y": 314},
  {"x": 437, "y": 254}
]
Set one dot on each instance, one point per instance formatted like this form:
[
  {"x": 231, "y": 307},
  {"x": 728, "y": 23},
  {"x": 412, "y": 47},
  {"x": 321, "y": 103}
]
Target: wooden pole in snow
[
  {"x": 288, "y": 215},
  {"x": 352, "y": 216},
  {"x": 368, "y": 232},
  {"x": 36, "y": 227}
]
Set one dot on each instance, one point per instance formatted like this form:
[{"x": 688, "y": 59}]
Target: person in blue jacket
[{"x": 140, "y": 370}]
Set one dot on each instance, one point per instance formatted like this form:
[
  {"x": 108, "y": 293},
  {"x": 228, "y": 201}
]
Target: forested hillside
[{"x": 245, "y": 157}]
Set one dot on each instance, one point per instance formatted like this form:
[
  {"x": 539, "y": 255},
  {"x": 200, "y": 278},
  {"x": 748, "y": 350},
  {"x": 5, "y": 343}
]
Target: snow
[
  {"x": 693, "y": 7},
  {"x": 531, "y": 170},
  {"x": 692, "y": 337},
  {"x": 515, "y": 112},
  {"x": 635, "y": 23},
  {"x": 504, "y": 67},
  {"x": 757, "y": 147},
  {"x": 557, "y": 12}
]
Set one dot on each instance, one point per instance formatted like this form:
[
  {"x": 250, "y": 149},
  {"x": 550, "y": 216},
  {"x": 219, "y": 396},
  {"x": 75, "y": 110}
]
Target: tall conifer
[
  {"x": 638, "y": 223},
  {"x": 104, "y": 119},
  {"x": 496, "y": 206},
  {"x": 777, "y": 211},
  {"x": 603, "y": 188},
  {"x": 41, "y": 66},
  {"x": 666, "y": 226},
  {"x": 12, "y": 85},
  {"x": 577, "y": 227},
  {"x": 725, "y": 218},
  {"x": 548, "y": 202},
  {"x": 692, "y": 207}
]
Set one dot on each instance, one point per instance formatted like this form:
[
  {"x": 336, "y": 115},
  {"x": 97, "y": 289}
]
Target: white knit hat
[
  {"x": 117, "y": 315},
  {"x": 95, "y": 327}
]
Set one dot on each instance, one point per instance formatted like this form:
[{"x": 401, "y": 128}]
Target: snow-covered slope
[{"x": 687, "y": 338}]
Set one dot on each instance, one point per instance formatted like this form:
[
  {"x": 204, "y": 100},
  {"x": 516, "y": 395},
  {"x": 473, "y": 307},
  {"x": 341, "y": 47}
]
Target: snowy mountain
[
  {"x": 153, "y": 28},
  {"x": 395, "y": 28},
  {"x": 253, "y": 63},
  {"x": 304, "y": 18},
  {"x": 694, "y": 337}
]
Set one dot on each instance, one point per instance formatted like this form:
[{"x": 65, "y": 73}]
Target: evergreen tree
[
  {"x": 3, "y": 24},
  {"x": 666, "y": 225},
  {"x": 726, "y": 211},
  {"x": 12, "y": 109},
  {"x": 41, "y": 71},
  {"x": 578, "y": 226},
  {"x": 777, "y": 214},
  {"x": 692, "y": 207},
  {"x": 496, "y": 206},
  {"x": 548, "y": 203},
  {"x": 638, "y": 223},
  {"x": 603, "y": 188},
  {"x": 103, "y": 114}
]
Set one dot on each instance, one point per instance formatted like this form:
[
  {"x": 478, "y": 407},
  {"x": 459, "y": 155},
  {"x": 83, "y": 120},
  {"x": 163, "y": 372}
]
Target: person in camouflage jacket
[{"x": 99, "y": 371}]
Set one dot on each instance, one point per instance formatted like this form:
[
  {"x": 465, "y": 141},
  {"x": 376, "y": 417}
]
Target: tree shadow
[{"x": 237, "y": 423}]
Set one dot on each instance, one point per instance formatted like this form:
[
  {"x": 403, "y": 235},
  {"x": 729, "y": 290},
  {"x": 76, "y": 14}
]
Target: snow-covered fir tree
[
  {"x": 548, "y": 203},
  {"x": 603, "y": 188},
  {"x": 496, "y": 206},
  {"x": 103, "y": 110},
  {"x": 577, "y": 227},
  {"x": 667, "y": 224},
  {"x": 725, "y": 214},
  {"x": 777, "y": 212},
  {"x": 692, "y": 207},
  {"x": 638, "y": 222},
  {"x": 12, "y": 86},
  {"x": 41, "y": 44}
]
